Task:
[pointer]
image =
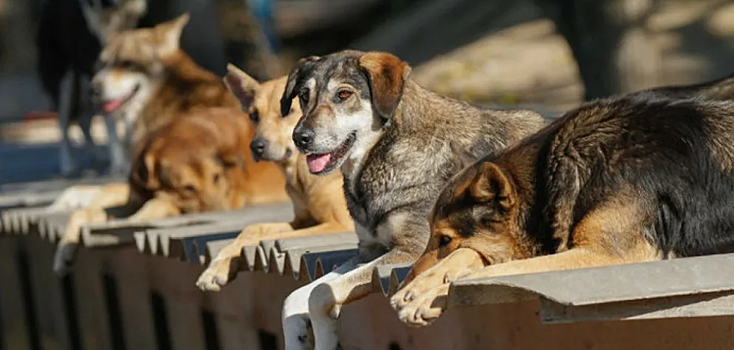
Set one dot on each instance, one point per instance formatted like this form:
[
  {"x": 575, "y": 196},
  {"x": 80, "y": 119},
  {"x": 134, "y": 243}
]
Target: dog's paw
[
  {"x": 424, "y": 309},
  {"x": 64, "y": 258},
  {"x": 419, "y": 286},
  {"x": 217, "y": 275}
]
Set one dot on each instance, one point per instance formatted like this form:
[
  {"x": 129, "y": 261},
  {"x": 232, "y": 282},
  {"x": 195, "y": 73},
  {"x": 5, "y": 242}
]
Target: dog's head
[
  {"x": 132, "y": 66},
  {"x": 261, "y": 102},
  {"x": 477, "y": 209},
  {"x": 346, "y": 98},
  {"x": 106, "y": 17},
  {"x": 190, "y": 168}
]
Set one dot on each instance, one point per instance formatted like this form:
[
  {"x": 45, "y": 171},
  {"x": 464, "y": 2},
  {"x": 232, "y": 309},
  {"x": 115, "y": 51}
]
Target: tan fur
[
  {"x": 318, "y": 201},
  {"x": 181, "y": 90}
]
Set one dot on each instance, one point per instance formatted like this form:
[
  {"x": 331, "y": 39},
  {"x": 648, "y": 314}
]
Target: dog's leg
[
  {"x": 458, "y": 263},
  {"x": 612, "y": 234},
  {"x": 227, "y": 264},
  {"x": 74, "y": 197},
  {"x": 66, "y": 158},
  {"x": 295, "y": 315},
  {"x": 327, "y": 299},
  {"x": 67, "y": 247},
  {"x": 110, "y": 195},
  {"x": 156, "y": 208}
]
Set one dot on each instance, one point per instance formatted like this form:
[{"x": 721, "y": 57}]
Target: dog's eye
[
  {"x": 444, "y": 241},
  {"x": 190, "y": 189},
  {"x": 126, "y": 64},
  {"x": 344, "y": 94},
  {"x": 255, "y": 116},
  {"x": 303, "y": 96}
]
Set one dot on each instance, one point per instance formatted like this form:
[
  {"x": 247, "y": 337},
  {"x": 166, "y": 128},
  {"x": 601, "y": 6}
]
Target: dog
[
  {"x": 199, "y": 163},
  {"x": 390, "y": 138},
  {"x": 146, "y": 80},
  {"x": 636, "y": 178},
  {"x": 318, "y": 201},
  {"x": 69, "y": 41}
]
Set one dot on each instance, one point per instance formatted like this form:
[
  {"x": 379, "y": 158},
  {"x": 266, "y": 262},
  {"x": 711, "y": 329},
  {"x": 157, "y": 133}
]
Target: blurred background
[{"x": 546, "y": 54}]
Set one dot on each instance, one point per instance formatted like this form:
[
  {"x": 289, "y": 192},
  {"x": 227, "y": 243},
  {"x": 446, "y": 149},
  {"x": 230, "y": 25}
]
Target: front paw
[
  {"x": 423, "y": 309},
  {"x": 218, "y": 274},
  {"x": 322, "y": 301},
  {"x": 419, "y": 286},
  {"x": 64, "y": 258}
]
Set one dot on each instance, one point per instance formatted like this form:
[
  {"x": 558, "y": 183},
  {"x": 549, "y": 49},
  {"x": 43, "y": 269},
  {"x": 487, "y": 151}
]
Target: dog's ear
[
  {"x": 144, "y": 173},
  {"x": 170, "y": 34},
  {"x": 136, "y": 7},
  {"x": 290, "y": 87},
  {"x": 461, "y": 157},
  {"x": 242, "y": 86},
  {"x": 387, "y": 76},
  {"x": 229, "y": 159},
  {"x": 492, "y": 186}
]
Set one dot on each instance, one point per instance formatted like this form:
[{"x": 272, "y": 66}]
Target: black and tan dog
[
  {"x": 390, "y": 138},
  {"x": 643, "y": 177}
]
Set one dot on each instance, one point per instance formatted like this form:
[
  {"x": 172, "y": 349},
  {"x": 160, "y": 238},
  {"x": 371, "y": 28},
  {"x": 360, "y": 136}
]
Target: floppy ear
[
  {"x": 242, "y": 86},
  {"x": 146, "y": 173},
  {"x": 229, "y": 159},
  {"x": 492, "y": 185},
  {"x": 170, "y": 34},
  {"x": 387, "y": 75},
  {"x": 290, "y": 87},
  {"x": 461, "y": 157}
]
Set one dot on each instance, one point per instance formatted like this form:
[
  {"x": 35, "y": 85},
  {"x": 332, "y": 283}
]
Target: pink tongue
[
  {"x": 317, "y": 163},
  {"x": 112, "y": 105}
]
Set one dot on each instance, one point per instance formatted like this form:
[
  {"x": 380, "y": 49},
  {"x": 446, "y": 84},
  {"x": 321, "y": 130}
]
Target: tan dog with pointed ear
[
  {"x": 318, "y": 201},
  {"x": 390, "y": 138}
]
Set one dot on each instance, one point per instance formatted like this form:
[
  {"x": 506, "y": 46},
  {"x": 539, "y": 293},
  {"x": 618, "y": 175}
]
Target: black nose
[
  {"x": 303, "y": 137},
  {"x": 96, "y": 91},
  {"x": 258, "y": 146}
]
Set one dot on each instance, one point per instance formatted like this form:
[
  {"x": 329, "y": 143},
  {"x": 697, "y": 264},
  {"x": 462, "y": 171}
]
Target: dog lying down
[
  {"x": 147, "y": 81},
  {"x": 318, "y": 201},
  {"x": 643, "y": 177},
  {"x": 390, "y": 138},
  {"x": 199, "y": 163}
]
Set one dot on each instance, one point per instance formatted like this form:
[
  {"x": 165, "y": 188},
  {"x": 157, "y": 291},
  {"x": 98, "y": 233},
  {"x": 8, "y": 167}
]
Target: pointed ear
[
  {"x": 462, "y": 158},
  {"x": 387, "y": 76},
  {"x": 242, "y": 86},
  {"x": 170, "y": 34},
  {"x": 137, "y": 7},
  {"x": 303, "y": 65},
  {"x": 493, "y": 185}
]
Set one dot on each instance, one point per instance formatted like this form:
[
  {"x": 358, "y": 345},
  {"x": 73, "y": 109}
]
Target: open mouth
[
  {"x": 326, "y": 162},
  {"x": 113, "y": 105}
]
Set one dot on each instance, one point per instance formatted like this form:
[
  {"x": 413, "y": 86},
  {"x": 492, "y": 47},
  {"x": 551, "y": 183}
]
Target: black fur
[{"x": 662, "y": 149}]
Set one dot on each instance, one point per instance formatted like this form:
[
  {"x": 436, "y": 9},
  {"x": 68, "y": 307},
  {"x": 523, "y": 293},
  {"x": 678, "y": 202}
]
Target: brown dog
[
  {"x": 149, "y": 82},
  {"x": 199, "y": 163},
  {"x": 638, "y": 178},
  {"x": 318, "y": 201},
  {"x": 146, "y": 81}
]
